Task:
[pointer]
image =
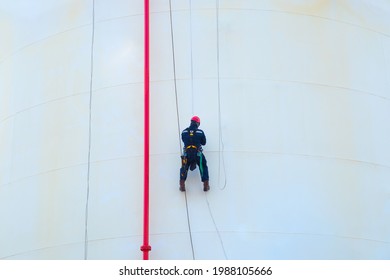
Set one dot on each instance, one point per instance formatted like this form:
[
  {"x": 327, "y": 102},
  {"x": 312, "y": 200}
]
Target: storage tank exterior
[{"x": 294, "y": 98}]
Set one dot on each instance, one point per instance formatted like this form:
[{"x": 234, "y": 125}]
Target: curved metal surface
[{"x": 293, "y": 97}]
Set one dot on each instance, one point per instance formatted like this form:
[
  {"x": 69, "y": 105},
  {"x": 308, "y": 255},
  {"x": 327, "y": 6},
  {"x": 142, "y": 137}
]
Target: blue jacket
[{"x": 192, "y": 136}]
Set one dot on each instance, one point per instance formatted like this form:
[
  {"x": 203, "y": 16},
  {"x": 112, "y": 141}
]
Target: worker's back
[{"x": 192, "y": 136}]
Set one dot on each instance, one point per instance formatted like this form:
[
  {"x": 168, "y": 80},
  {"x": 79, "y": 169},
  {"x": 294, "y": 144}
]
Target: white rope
[
  {"x": 220, "y": 142},
  {"x": 89, "y": 134},
  {"x": 178, "y": 123}
]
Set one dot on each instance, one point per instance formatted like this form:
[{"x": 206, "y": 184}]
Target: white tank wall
[{"x": 304, "y": 104}]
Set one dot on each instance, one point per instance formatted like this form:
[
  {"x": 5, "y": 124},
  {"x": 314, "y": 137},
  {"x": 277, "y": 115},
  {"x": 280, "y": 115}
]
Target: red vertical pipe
[{"x": 145, "y": 248}]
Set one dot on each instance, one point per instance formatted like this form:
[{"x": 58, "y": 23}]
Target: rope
[
  {"x": 89, "y": 133},
  {"x": 220, "y": 137},
  {"x": 174, "y": 75},
  {"x": 178, "y": 122},
  {"x": 189, "y": 227},
  {"x": 192, "y": 62},
  {"x": 220, "y": 143},
  {"x": 216, "y": 228}
]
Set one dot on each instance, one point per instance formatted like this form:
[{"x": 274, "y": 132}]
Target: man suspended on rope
[{"x": 193, "y": 139}]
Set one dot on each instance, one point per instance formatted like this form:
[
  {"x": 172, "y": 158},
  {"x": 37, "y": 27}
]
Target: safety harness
[{"x": 191, "y": 152}]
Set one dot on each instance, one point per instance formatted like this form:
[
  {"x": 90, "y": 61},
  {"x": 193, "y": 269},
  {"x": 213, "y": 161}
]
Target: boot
[
  {"x": 182, "y": 186},
  {"x": 206, "y": 185}
]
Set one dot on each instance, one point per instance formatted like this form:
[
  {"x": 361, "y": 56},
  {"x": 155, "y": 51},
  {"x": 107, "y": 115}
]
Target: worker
[{"x": 193, "y": 139}]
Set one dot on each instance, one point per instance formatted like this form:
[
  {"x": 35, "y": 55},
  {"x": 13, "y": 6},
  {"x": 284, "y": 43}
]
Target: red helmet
[{"x": 195, "y": 119}]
